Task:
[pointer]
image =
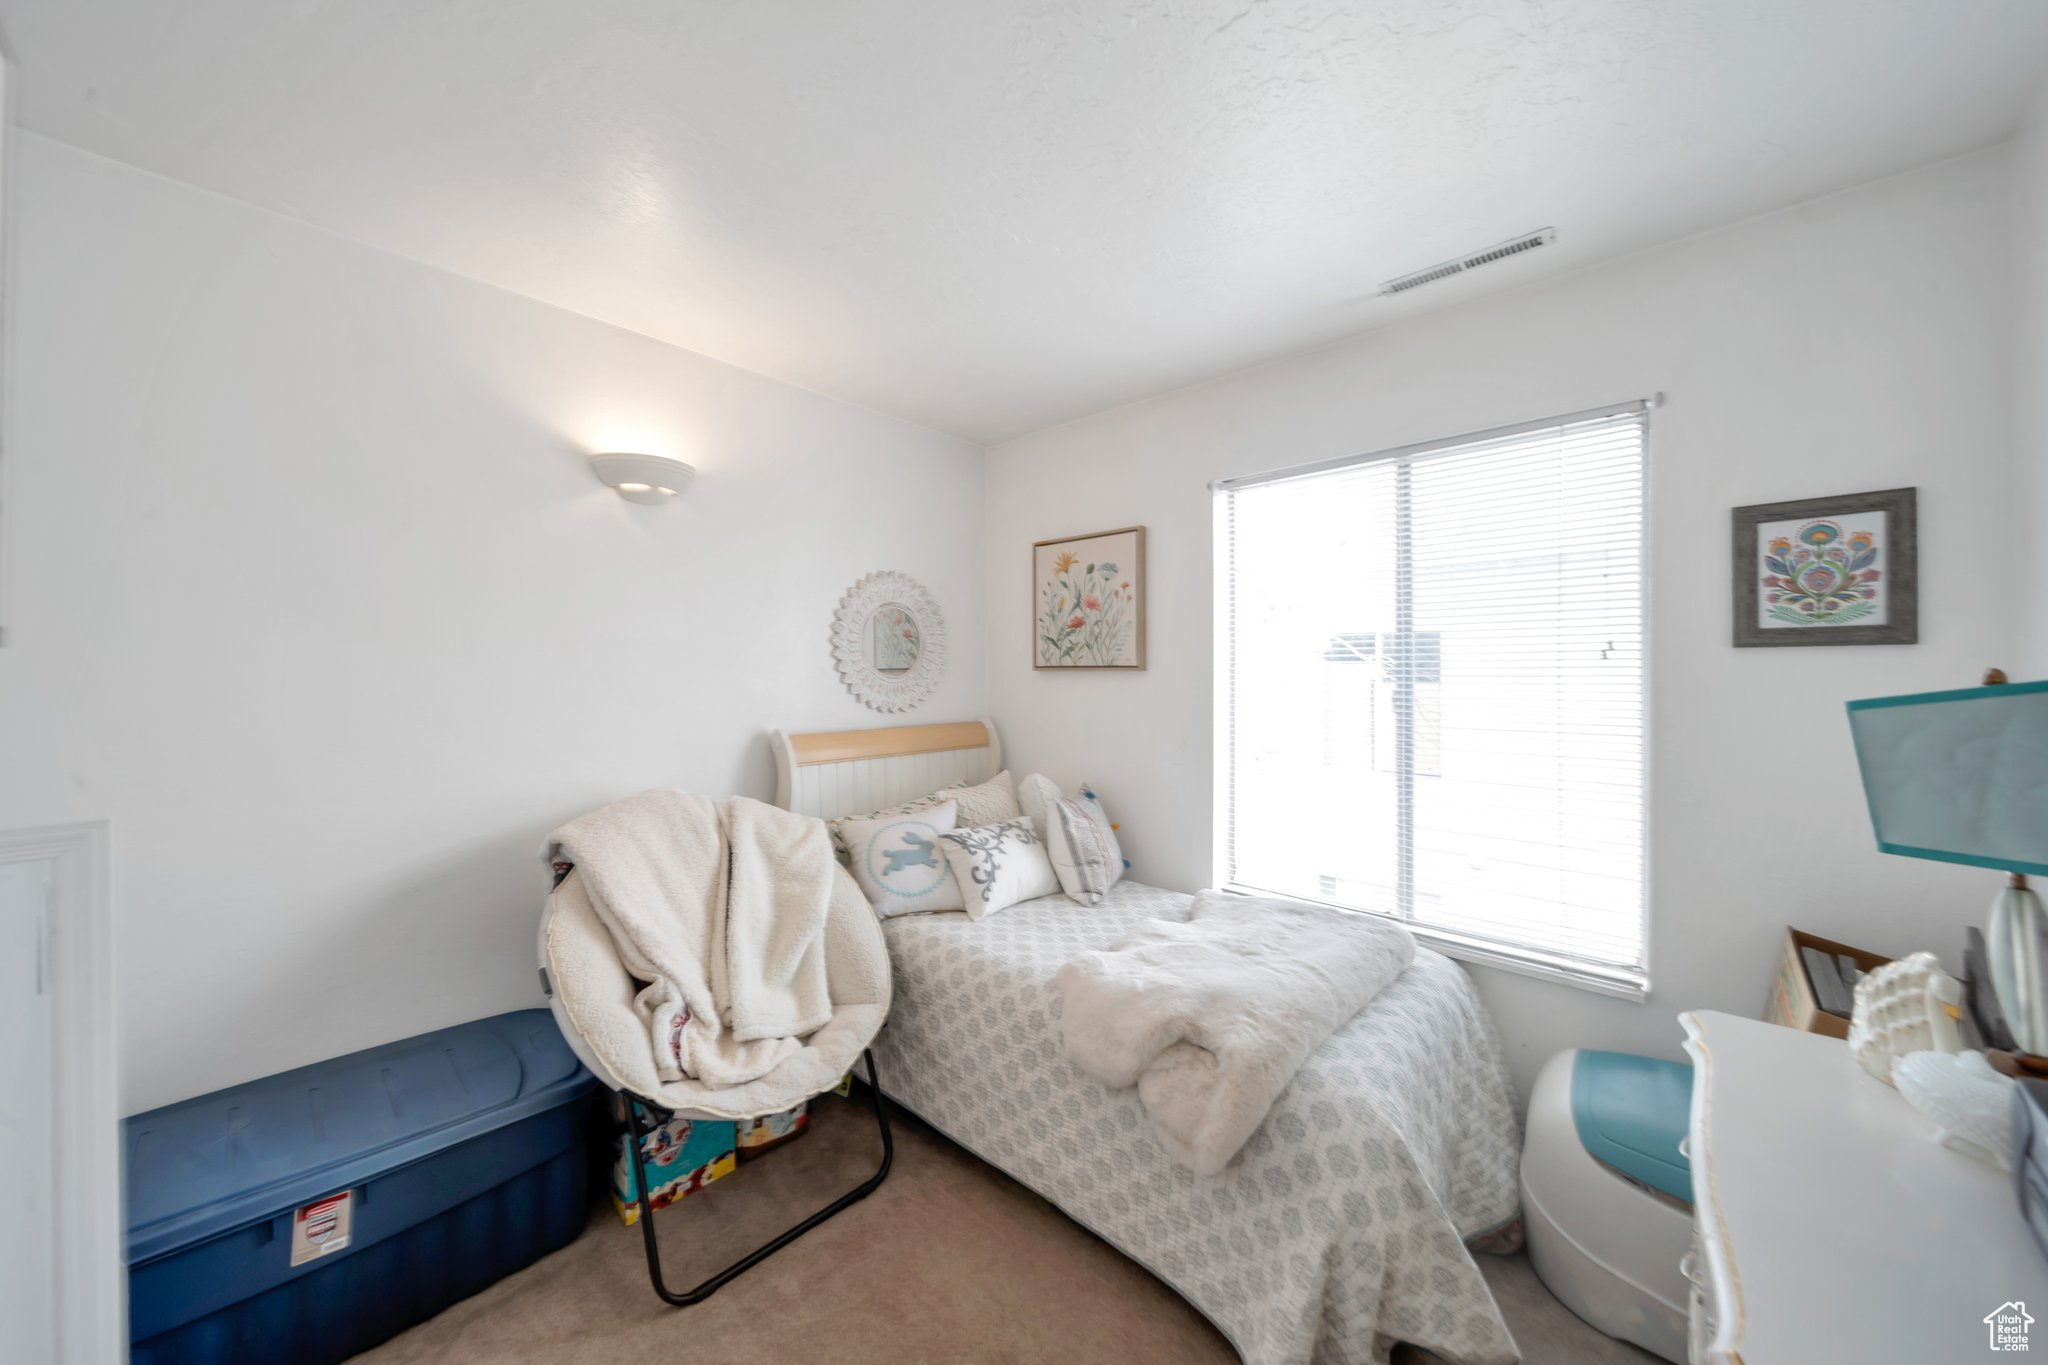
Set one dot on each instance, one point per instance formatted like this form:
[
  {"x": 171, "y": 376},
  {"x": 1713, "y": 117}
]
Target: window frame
[{"x": 1625, "y": 983}]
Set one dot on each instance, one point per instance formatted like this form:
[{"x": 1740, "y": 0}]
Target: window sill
[{"x": 1620, "y": 983}]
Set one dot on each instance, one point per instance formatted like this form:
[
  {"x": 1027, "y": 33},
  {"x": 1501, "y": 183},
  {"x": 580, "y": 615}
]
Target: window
[{"x": 1432, "y": 668}]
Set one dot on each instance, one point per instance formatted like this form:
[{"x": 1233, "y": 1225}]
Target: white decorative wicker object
[
  {"x": 876, "y": 613},
  {"x": 1965, "y": 1098},
  {"x": 1903, "y": 1007}
]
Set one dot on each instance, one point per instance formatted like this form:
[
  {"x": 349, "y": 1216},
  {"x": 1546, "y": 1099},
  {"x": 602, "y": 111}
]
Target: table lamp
[{"x": 1962, "y": 777}]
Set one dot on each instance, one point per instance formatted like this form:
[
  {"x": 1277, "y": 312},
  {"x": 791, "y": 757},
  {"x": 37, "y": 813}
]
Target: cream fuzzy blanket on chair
[
  {"x": 1211, "y": 1019},
  {"x": 719, "y": 906}
]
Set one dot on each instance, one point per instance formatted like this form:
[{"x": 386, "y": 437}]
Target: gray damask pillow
[{"x": 999, "y": 865}]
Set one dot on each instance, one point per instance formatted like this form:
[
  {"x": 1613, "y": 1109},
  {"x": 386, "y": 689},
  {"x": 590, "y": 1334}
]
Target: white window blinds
[{"x": 1433, "y": 691}]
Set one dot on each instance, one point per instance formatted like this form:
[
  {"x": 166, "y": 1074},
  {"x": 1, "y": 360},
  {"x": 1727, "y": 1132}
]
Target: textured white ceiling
[{"x": 994, "y": 215}]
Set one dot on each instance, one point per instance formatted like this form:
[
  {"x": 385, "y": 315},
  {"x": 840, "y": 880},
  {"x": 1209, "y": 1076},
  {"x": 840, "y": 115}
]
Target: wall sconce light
[{"x": 642, "y": 478}]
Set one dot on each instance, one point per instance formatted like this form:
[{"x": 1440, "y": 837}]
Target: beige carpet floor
[{"x": 948, "y": 1261}]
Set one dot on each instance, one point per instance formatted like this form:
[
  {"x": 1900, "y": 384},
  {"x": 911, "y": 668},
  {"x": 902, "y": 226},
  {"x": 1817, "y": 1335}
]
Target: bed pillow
[
  {"x": 998, "y": 865},
  {"x": 838, "y": 832},
  {"x": 1035, "y": 796},
  {"x": 900, "y": 861},
  {"x": 989, "y": 803},
  {"x": 1083, "y": 845}
]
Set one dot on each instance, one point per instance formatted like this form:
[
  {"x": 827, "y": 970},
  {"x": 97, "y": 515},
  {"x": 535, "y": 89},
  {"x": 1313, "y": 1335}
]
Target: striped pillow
[{"x": 1083, "y": 845}]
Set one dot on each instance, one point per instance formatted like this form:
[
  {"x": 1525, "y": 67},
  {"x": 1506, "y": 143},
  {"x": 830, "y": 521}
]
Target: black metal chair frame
[{"x": 639, "y": 1112}]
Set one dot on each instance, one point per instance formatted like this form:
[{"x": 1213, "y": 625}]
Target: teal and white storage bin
[{"x": 1607, "y": 1193}]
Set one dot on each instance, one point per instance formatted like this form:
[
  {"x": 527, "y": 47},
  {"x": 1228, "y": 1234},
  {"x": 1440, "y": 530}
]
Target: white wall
[
  {"x": 1857, "y": 342},
  {"x": 316, "y": 599}
]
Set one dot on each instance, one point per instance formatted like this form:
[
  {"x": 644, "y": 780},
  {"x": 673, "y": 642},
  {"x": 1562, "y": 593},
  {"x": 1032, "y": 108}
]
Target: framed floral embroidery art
[
  {"x": 1088, "y": 601},
  {"x": 1828, "y": 571}
]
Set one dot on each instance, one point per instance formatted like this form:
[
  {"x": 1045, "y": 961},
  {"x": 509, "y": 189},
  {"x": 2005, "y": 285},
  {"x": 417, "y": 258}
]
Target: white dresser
[{"x": 1829, "y": 1226}]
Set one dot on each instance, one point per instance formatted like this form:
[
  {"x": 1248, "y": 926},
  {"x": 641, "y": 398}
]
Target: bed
[{"x": 1342, "y": 1226}]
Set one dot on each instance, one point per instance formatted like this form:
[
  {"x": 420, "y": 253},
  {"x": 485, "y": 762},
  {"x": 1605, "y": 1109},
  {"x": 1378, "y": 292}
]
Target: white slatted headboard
[{"x": 851, "y": 772}]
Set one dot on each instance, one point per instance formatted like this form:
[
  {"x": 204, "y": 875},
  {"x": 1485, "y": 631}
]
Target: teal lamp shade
[
  {"x": 1962, "y": 777},
  {"x": 1959, "y": 776}
]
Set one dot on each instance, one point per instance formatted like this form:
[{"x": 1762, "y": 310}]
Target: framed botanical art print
[
  {"x": 1088, "y": 601},
  {"x": 1828, "y": 571}
]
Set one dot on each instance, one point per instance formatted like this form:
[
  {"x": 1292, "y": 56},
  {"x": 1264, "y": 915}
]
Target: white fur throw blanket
[
  {"x": 720, "y": 907},
  {"x": 1211, "y": 1019}
]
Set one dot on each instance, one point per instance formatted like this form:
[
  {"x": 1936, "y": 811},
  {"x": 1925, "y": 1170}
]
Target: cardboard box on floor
[
  {"x": 758, "y": 1137},
  {"x": 1793, "y": 1001}
]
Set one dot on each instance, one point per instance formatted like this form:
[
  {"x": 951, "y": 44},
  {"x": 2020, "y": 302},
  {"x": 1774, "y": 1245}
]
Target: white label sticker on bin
[{"x": 321, "y": 1227}]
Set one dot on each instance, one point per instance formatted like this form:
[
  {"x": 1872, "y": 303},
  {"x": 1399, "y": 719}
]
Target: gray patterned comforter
[{"x": 1338, "y": 1230}]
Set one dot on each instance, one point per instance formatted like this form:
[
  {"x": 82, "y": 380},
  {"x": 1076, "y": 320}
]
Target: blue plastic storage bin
[{"x": 465, "y": 1155}]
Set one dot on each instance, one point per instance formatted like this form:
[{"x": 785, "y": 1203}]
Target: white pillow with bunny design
[{"x": 900, "y": 861}]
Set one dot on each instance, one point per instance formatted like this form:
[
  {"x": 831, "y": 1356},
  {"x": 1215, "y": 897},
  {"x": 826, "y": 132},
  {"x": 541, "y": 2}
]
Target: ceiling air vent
[{"x": 1401, "y": 284}]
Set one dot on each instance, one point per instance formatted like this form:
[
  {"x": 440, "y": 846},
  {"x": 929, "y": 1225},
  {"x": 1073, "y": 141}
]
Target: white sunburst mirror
[{"x": 889, "y": 641}]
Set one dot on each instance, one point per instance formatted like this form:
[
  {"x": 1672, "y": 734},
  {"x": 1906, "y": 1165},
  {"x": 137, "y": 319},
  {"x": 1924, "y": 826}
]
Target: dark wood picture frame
[{"x": 1899, "y": 561}]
